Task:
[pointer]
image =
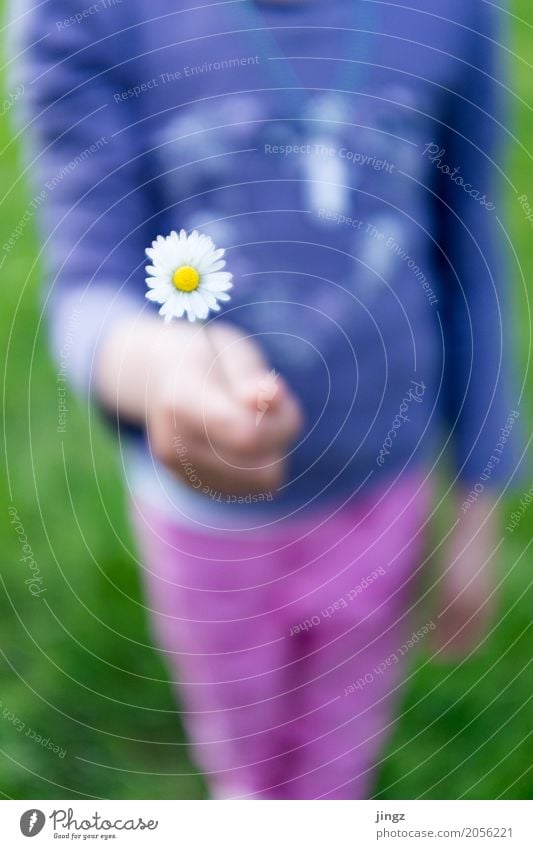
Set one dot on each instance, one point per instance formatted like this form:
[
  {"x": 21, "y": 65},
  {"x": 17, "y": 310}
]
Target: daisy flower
[{"x": 186, "y": 276}]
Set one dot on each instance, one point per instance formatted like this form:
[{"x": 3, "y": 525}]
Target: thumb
[
  {"x": 238, "y": 362},
  {"x": 265, "y": 391}
]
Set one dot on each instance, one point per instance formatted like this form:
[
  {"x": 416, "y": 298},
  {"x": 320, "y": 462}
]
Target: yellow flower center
[{"x": 186, "y": 278}]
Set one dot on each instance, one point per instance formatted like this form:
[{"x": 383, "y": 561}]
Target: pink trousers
[{"x": 285, "y": 644}]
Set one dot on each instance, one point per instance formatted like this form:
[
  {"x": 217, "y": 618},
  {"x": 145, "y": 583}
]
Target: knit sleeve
[
  {"x": 479, "y": 398},
  {"x": 89, "y": 176}
]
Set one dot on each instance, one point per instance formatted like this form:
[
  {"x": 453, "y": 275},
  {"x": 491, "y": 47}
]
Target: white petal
[
  {"x": 207, "y": 258},
  {"x": 199, "y": 305},
  {"x": 213, "y": 266},
  {"x": 191, "y": 315},
  {"x": 167, "y": 307},
  {"x": 219, "y": 276},
  {"x": 197, "y": 250},
  {"x": 202, "y": 250},
  {"x": 160, "y": 280},
  {"x": 210, "y": 300},
  {"x": 172, "y": 308},
  {"x": 180, "y": 300},
  {"x": 159, "y": 270},
  {"x": 156, "y": 296},
  {"x": 166, "y": 311},
  {"x": 217, "y": 282}
]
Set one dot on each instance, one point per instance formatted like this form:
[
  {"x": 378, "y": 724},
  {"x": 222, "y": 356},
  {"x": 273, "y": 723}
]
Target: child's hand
[
  {"x": 205, "y": 410},
  {"x": 465, "y": 593}
]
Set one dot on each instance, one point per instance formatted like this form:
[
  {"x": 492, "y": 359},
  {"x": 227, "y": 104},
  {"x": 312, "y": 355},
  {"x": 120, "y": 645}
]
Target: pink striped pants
[{"x": 284, "y": 643}]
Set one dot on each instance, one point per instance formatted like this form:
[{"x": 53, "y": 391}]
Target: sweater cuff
[{"x": 80, "y": 322}]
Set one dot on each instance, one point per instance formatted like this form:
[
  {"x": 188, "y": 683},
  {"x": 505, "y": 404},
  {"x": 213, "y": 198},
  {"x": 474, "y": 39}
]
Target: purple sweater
[{"x": 345, "y": 153}]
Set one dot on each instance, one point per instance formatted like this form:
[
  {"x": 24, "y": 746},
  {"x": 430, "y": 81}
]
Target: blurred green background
[{"x": 77, "y": 664}]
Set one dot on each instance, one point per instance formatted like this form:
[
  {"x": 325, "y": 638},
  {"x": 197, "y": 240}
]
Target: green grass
[{"x": 78, "y": 666}]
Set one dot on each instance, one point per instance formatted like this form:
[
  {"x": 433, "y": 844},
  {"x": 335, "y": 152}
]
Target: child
[{"x": 279, "y": 461}]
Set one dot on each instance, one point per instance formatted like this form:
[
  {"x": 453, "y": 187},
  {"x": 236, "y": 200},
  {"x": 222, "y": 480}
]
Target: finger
[
  {"x": 240, "y": 428},
  {"x": 276, "y": 412},
  {"x": 246, "y": 377},
  {"x": 213, "y": 415},
  {"x": 210, "y": 456},
  {"x": 279, "y": 422},
  {"x": 238, "y": 357},
  {"x": 204, "y": 470}
]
